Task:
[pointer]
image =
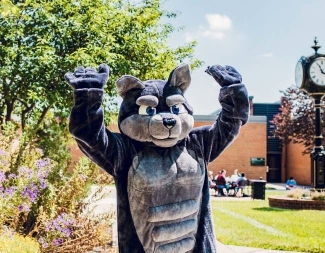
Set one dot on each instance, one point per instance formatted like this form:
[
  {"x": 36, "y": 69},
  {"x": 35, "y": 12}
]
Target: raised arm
[
  {"x": 235, "y": 111},
  {"x": 86, "y": 121}
]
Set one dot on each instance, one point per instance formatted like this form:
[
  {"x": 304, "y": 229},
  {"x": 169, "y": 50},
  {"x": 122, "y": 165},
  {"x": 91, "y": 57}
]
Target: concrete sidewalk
[{"x": 109, "y": 204}]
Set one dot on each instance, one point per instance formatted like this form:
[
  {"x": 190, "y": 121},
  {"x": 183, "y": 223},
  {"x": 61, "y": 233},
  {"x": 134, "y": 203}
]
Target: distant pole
[
  {"x": 310, "y": 76},
  {"x": 318, "y": 154},
  {"x": 318, "y": 138}
]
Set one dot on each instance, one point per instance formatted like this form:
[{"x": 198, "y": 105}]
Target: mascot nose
[{"x": 169, "y": 123}]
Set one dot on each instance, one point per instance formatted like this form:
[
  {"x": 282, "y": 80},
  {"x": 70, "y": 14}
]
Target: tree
[
  {"x": 296, "y": 121},
  {"x": 7, "y": 7},
  {"x": 44, "y": 39},
  {"x": 47, "y": 38}
]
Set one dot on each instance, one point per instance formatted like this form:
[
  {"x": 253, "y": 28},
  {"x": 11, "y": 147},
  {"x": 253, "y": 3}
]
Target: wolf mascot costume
[{"x": 159, "y": 161}]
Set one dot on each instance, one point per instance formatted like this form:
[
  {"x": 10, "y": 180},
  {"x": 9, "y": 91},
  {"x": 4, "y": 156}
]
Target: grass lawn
[{"x": 254, "y": 224}]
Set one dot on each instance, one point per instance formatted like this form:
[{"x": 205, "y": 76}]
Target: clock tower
[{"x": 310, "y": 77}]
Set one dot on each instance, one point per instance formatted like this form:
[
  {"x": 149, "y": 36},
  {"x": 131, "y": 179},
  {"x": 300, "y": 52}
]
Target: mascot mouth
[
  {"x": 163, "y": 138},
  {"x": 165, "y": 142},
  {"x": 171, "y": 134}
]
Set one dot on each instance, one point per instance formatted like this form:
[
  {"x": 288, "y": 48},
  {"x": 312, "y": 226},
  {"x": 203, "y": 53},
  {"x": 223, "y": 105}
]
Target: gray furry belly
[{"x": 165, "y": 193}]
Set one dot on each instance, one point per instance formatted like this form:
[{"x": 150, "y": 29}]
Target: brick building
[
  {"x": 254, "y": 151},
  {"x": 256, "y": 141},
  {"x": 251, "y": 143}
]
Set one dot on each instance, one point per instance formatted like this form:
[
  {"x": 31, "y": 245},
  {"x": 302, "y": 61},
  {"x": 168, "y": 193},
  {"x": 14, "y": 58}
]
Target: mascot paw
[
  {"x": 225, "y": 76},
  {"x": 88, "y": 77}
]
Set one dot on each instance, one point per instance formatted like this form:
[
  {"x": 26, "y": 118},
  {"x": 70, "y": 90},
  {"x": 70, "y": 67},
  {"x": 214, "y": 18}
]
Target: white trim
[{"x": 212, "y": 118}]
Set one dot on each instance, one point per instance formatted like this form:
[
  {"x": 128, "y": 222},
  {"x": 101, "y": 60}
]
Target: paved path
[{"x": 109, "y": 204}]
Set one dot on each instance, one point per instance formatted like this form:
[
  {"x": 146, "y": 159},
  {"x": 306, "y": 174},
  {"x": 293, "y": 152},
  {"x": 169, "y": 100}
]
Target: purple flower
[
  {"x": 61, "y": 224},
  {"x": 2, "y": 176},
  {"x": 47, "y": 227},
  {"x": 42, "y": 173},
  {"x": 45, "y": 245},
  {"x": 57, "y": 241},
  {"x": 26, "y": 171},
  {"x": 23, "y": 208},
  {"x": 43, "y": 184},
  {"x": 41, "y": 240},
  {"x": 42, "y": 163},
  {"x": 10, "y": 191},
  {"x": 66, "y": 232},
  {"x": 12, "y": 175},
  {"x": 2, "y": 152},
  {"x": 31, "y": 191}
]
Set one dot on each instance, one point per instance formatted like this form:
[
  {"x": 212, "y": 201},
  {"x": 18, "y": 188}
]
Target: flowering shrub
[
  {"x": 68, "y": 234},
  {"x": 19, "y": 191},
  {"x": 59, "y": 228},
  {"x": 41, "y": 200},
  {"x": 69, "y": 225}
]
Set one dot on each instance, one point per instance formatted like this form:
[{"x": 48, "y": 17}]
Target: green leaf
[{"x": 7, "y": 8}]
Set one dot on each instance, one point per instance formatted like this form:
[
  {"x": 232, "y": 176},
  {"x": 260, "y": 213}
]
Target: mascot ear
[
  {"x": 180, "y": 77},
  {"x": 126, "y": 83}
]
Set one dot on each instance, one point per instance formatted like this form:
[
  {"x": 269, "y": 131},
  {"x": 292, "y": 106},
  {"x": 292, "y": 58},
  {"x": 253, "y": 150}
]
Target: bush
[
  {"x": 103, "y": 178},
  {"x": 14, "y": 243},
  {"x": 318, "y": 195},
  {"x": 76, "y": 231},
  {"x": 298, "y": 193},
  {"x": 42, "y": 200},
  {"x": 20, "y": 187}
]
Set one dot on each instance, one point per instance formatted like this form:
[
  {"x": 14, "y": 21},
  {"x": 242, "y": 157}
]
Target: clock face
[
  {"x": 317, "y": 71},
  {"x": 299, "y": 74}
]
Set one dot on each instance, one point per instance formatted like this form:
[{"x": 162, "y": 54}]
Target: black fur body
[{"x": 159, "y": 161}]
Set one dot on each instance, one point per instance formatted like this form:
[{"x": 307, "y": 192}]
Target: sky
[{"x": 262, "y": 39}]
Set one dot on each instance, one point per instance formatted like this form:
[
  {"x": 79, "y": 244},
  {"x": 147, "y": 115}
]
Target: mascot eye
[
  {"x": 147, "y": 110},
  {"x": 177, "y": 109}
]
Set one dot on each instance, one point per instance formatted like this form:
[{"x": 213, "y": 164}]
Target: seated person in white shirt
[{"x": 234, "y": 176}]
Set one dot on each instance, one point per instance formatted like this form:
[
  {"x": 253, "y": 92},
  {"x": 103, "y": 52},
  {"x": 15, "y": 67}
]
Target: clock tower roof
[{"x": 316, "y": 47}]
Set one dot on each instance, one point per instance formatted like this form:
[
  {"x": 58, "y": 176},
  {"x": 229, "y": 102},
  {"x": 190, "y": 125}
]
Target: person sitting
[
  {"x": 233, "y": 182},
  {"x": 210, "y": 177},
  {"x": 241, "y": 184},
  {"x": 212, "y": 183},
  {"x": 234, "y": 177},
  {"x": 221, "y": 183},
  {"x": 291, "y": 183}
]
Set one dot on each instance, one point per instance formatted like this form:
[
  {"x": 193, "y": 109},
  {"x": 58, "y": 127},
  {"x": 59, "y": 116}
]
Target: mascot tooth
[{"x": 158, "y": 160}]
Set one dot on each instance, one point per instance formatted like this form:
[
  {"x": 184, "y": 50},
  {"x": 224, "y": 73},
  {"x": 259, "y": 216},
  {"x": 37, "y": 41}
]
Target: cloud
[
  {"x": 267, "y": 55},
  {"x": 218, "y": 25},
  {"x": 212, "y": 34},
  {"x": 218, "y": 22}
]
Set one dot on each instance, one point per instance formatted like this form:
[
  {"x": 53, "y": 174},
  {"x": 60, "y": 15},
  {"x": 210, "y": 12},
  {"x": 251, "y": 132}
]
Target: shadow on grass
[{"x": 271, "y": 209}]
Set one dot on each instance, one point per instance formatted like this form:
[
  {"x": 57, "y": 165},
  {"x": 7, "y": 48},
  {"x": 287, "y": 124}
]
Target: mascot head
[{"x": 155, "y": 112}]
